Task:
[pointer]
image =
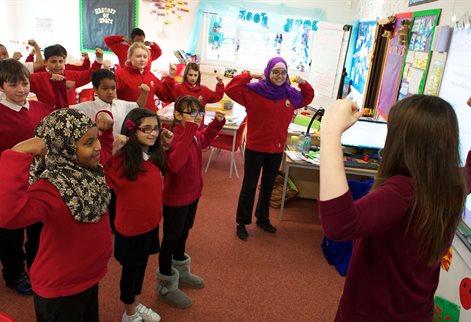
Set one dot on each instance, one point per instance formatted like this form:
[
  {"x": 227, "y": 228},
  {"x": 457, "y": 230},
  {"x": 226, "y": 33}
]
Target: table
[{"x": 305, "y": 165}]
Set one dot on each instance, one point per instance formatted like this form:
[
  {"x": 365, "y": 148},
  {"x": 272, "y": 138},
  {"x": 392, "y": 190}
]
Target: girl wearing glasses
[
  {"x": 192, "y": 86},
  {"x": 270, "y": 103},
  {"x": 135, "y": 174},
  {"x": 182, "y": 190}
]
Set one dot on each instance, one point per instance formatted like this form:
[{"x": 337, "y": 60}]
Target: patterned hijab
[
  {"x": 269, "y": 90},
  {"x": 83, "y": 190}
]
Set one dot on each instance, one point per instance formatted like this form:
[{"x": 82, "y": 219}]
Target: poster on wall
[
  {"x": 100, "y": 18},
  {"x": 392, "y": 67},
  {"x": 361, "y": 54},
  {"x": 418, "y": 53}
]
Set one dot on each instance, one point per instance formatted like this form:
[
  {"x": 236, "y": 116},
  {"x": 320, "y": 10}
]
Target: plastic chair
[
  {"x": 229, "y": 143},
  {"x": 87, "y": 94},
  {"x": 6, "y": 318}
]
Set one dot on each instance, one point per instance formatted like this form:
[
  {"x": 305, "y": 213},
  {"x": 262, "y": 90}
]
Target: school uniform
[
  {"x": 120, "y": 49},
  {"x": 201, "y": 92},
  {"x": 55, "y": 93},
  {"x": 118, "y": 108},
  {"x": 128, "y": 79},
  {"x": 387, "y": 279},
  {"x": 17, "y": 124},
  {"x": 267, "y": 131},
  {"x": 138, "y": 215}
]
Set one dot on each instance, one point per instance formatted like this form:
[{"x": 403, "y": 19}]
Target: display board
[
  {"x": 456, "y": 89},
  {"x": 328, "y": 54},
  {"x": 418, "y": 53},
  {"x": 100, "y": 18},
  {"x": 392, "y": 68}
]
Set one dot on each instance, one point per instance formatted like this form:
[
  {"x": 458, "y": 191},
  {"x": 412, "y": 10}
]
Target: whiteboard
[
  {"x": 456, "y": 89},
  {"x": 329, "y": 50}
]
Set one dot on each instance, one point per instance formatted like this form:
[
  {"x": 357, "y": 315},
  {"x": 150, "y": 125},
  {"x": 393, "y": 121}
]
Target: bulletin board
[
  {"x": 100, "y": 18},
  {"x": 418, "y": 53},
  {"x": 392, "y": 69}
]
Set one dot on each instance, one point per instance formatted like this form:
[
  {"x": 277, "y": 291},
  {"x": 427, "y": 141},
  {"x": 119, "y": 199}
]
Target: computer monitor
[{"x": 365, "y": 134}]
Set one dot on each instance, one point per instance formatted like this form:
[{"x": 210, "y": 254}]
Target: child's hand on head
[
  {"x": 220, "y": 116},
  {"x": 219, "y": 79},
  {"x": 99, "y": 53},
  {"x": 166, "y": 138},
  {"x": 172, "y": 70},
  {"x": 85, "y": 55},
  {"x": 339, "y": 116},
  {"x": 144, "y": 88},
  {"x": 69, "y": 85},
  {"x": 148, "y": 43},
  {"x": 17, "y": 55},
  {"x": 127, "y": 40},
  {"x": 119, "y": 141},
  {"x": 104, "y": 121},
  {"x": 34, "y": 146},
  {"x": 57, "y": 77}
]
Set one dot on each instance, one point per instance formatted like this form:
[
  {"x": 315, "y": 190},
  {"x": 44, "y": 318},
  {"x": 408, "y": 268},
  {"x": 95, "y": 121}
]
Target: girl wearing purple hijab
[{"x": 270, "y": 103}]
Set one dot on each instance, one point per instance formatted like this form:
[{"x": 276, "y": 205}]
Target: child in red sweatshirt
[
  {"x": 182, "y": 189},
  {"x": 120, "y": 46},
  {"x": 56, "y": 86}
]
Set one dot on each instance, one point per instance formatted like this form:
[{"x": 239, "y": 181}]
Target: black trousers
[
  {"x": 254, "y": 163},
  {"x": 130, "y": 285},
  {"x": 177, "y": 224},
  {"x": 12, "y": 254},
  {"x": 81, "y": 307}
]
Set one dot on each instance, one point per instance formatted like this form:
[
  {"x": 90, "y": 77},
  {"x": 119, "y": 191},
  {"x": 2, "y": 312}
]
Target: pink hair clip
[{"x": 130, "y": 124}]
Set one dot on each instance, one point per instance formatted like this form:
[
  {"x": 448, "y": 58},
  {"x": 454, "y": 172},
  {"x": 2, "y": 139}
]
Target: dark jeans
[
  {"x": 81, "y": 307},
  {"x": 12, "y": 254},
  {"x": 177, "y": 224},
  {"x": 254, "y": 162}
]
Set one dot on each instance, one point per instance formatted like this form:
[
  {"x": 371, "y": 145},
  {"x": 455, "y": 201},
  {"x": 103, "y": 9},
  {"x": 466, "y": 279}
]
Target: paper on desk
[
  {"x": 299, "y": 128},
  {"x": 298, "y": 156}
]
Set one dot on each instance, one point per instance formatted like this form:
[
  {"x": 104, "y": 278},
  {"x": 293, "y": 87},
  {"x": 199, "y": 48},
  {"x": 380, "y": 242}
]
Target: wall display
[
  {"x": 456, "y": 89},
  {"x": 417, "y": 2},
  {"x": 169, "y": 10},
  {"x": 100, "y": 18},
  {"x": 418, "y": 53},
  {"x": 392, "y": 68},
  {"x": 361, "y": 55}
]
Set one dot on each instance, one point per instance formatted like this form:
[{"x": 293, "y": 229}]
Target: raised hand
[
  {"x": 339, "y": 116},
  {"x": 257, "y": 75},
  {"x": 104, "y": 121},
  {"x": 99, "y": 53},
  {"x": 220, "y": 116},
  {"x": 33, "y": 43},
  {"x": 298, "y": 79},
  {"x": 119, "y": 141},
  {"x": 17, "y": 55},
  {"x": 172, "y": 70},
  {"x": 34, "y": 146},
  {"x": 469, "y": 101},
  {"x": 69, "y": 85},
  {"x": 166, "y": 138},
  {"x": 144, "y": 88},
  {"x": 219, "y": 79},
  {"x": 127, "y": 40},
  {"x": 85, "y": 55}
]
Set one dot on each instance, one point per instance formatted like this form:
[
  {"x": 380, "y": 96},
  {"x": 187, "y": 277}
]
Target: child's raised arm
[{"x": 144, "y": 89}]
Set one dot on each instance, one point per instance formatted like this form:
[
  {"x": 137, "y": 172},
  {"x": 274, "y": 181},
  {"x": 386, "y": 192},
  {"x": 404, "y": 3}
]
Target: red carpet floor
[{"x": 269, "y": 277}]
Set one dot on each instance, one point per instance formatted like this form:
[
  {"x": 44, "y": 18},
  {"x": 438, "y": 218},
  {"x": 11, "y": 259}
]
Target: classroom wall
[{"x": 57, "y": 21}]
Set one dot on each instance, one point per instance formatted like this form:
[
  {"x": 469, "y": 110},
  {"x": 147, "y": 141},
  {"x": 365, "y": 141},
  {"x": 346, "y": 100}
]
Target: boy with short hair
[
  {"x": 104, "y": 86},
  {"x": 120, "y": 45},
  {"x": 18, "y": 121},
  {"x": 56, "y": 86}
]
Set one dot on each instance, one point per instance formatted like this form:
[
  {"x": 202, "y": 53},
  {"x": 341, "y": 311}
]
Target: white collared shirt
[
  {"x": 118, "y": 108},
  {"x": 14, "y": 107}
]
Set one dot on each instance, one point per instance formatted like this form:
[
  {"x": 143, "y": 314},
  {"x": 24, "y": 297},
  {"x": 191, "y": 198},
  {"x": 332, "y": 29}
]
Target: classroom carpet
[{"x": 269, "y": 277}]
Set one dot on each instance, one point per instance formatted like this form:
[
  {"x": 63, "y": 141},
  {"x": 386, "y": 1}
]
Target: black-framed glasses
[
  {"x": 194, "y": 113},
  {"x": 149, "y": 129},
  {"x": 279, "y": 72}
]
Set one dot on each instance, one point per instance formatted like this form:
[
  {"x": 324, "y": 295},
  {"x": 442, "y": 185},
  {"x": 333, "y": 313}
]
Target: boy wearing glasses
[
  {"x": 104, "y": 85},
  {"x": 18, "y": 121}
]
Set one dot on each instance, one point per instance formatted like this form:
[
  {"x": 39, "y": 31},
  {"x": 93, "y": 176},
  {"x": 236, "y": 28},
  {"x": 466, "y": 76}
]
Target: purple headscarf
[{"x": 269, "y": 90}]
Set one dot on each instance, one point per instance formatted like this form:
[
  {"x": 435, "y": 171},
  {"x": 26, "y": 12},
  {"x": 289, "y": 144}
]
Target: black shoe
[
  {"x": 266, "y": 226},
  {"x": 22, "y": 285},
  {"x": 242, "y": 232}
]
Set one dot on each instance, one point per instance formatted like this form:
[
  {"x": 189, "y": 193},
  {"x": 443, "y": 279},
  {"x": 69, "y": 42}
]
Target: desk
[
  {"x": 305, "y": 165},
  {"x": 234, "y": 117}
]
